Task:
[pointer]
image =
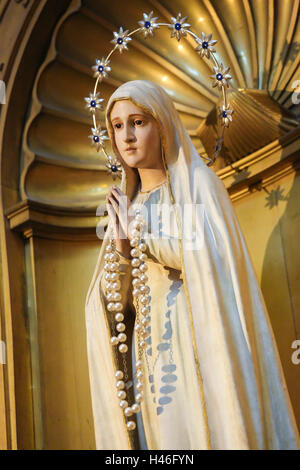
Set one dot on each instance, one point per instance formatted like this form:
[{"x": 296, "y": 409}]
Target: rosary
[{"x": 140, "y": 293}]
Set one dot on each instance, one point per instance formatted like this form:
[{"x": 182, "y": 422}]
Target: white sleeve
[{"x": 165, "y": 251}]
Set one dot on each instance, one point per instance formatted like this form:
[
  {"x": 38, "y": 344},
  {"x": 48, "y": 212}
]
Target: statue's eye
[
  {"x": 138, "y": 122},
  {"x": 117, "y": 126}
]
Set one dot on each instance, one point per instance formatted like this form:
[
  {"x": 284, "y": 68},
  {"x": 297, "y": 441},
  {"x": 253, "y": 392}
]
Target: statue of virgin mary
[{"x": 214, "y": 379}]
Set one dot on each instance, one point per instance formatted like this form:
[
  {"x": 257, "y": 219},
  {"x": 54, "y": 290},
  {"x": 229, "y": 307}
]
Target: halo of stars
[{"x": 148, "y": 26}]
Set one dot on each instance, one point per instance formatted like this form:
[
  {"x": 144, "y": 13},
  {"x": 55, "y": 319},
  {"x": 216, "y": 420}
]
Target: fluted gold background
[
  {"x": 52, "y": 182},
  {"x": 57, "y": 141}
]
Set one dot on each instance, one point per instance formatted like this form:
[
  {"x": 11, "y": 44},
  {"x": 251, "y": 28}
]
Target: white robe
[
  {"x": 230, "y": 387},
  {"x": 169, "y": 419}
]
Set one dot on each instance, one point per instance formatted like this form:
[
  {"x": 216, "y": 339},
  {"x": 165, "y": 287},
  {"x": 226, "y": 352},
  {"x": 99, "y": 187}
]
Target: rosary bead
[
  {"x": 145, "y": 299},
  {"x": 139, "y": 397},
  {"x": 145, "y": 321},
  {"x": 136, "y": 408},
  {"x": 131, "y": 425},
  {"x": 123, "y": 348},
  {"x": 108, "y": 248},
  {"x": 138, "y": 364},
  {"x": 116, "y": 296},
  {"x": 107, "y": 277},
  {"x": 107, "y": 266},
  {"x": 139, "y": 374},
  {"x": 114, "y": 266},
  {"x": 143, "y": 344},
  {"x": 119, "y": 317},
  {"x": 113, "y": 257},
  {"x": 116, "y": 285},
  {"x": 111, "y": 306},
  {"x": 120, "y": 384},
  {"x": 121, "y": 394},
  {"x": 123, "y": 403},
  {"x": 118, "y": 306},
  {"x": 135, "y": 262},
  {"x": 108, "y": 285},
  {"x": 120, "y": 327},
  {"x": 119, "y": 375},
  {"x": 135, "y": 272},
  {"x": 136, "y": 282},
  {"x": 114, "y": 340},
  {"x": 136, "y": 292},
  {"x": 143, "y": 267},
  {"x": 144, "y": 278},
  {"x": 114, "y": 276},
  {"x": 137, "y": 327},
  {"x": 110, "y": 297},
  {"x": 145, "y": 310},
  {"x": 122, "y": 337},
  {"x": 128, "y": 411},
  {"x": 106, "y": 257},
  {"x": 145, "y": 289},
  {"x": 145, "y": 333},
  {"x": 134, "y": 252},
  {"x": 143, "y": 257},
  {"x": 134, "y": 242}
]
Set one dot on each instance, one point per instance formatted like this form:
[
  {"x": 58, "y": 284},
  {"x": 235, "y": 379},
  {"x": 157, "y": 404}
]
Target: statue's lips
[{"x": 130, "y": 149}]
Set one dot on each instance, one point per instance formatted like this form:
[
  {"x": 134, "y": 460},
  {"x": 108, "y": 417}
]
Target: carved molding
[
  {"x": 34, "y": 219},
  {"x": 253, "y": 172},
  {"x": 266, "y": 165}
]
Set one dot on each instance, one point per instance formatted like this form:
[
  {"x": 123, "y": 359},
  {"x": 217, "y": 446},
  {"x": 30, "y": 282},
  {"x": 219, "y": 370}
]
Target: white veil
[{"x": 244, "y": 401}]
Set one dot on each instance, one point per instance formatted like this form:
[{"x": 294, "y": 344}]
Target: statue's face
[{"x": 136, "y": 135}]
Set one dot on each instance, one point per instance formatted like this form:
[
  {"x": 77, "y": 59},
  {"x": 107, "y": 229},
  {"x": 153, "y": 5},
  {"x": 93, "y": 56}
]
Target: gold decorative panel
[{"x": 258, "y": 39}]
